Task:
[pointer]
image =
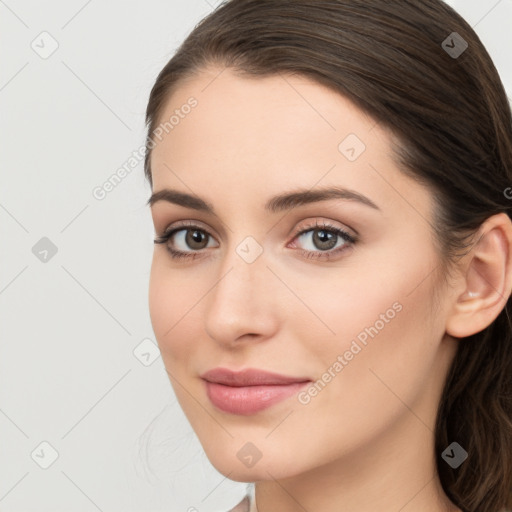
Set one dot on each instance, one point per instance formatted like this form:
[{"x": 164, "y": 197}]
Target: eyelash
[{"x": 323, "y": 226}]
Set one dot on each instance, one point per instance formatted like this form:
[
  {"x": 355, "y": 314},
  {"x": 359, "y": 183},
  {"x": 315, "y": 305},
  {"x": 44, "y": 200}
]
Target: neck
[{"x": 385, "y": 477}]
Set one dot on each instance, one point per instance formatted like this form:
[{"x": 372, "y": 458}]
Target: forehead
[
  {"x": 284, "y": 104},
  {"x": 257, "y": 136}
]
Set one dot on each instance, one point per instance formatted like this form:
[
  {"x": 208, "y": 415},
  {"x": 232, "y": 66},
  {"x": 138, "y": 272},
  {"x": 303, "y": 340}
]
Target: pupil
[
  {"x": 194, "y": 237},
  {"x": 324, "y": 239}
]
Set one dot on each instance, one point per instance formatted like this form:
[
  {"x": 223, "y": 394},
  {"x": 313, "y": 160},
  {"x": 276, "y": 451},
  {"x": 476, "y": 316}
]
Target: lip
[{"x": 249, "y": 391}]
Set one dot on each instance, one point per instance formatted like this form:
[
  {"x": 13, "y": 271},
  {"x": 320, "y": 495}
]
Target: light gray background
[{"x": 69, "y": 375}]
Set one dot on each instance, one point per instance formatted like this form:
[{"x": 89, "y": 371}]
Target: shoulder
[
  {"x": 243, "y": 506},
  {"x": 248, "y": 503}
]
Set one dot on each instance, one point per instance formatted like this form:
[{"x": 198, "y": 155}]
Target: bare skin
[{"x": 365, "y": 440}]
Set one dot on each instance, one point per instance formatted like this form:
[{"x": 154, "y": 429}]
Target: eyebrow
[{"x": 279, "y": 203}]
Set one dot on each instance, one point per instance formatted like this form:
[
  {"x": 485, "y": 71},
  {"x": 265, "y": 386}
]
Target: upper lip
[{"x": 249, "y": 377}]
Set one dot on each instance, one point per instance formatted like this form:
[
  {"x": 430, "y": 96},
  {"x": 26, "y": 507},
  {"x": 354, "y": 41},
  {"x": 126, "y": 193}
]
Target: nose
[{"x": 242, "y": 304}]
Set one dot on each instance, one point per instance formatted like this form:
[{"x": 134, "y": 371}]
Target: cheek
[
  {"x": 376, "y": 316},
  {"x": 384, "y": 365},
  {"x": 170, "y": 309},
  {"x": 394, "y": 347}
]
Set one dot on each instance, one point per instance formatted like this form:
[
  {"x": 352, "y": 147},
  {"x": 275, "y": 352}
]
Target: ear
[{"x": 486, "y": 279}]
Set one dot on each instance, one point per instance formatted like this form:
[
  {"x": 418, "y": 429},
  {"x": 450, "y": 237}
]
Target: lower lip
[{"x": 247, "y": 400}]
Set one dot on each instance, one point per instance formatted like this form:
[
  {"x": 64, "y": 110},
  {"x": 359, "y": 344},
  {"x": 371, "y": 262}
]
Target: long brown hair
[{"x": 440, "y": 94}]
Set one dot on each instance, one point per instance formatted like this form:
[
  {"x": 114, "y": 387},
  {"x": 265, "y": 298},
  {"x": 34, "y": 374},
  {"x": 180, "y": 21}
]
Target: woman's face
[{"x": 354, "y": 323}]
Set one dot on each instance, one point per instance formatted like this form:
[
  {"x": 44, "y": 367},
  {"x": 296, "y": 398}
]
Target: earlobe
[{"x": 486, "y": 281}]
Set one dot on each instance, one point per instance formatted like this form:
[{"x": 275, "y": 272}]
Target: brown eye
[
  {"x": 189, "y": 241},
  {"x": 185, "y": 241},
  {"x": 194, "y": 238},
  {"x": 324, "y": 241}
]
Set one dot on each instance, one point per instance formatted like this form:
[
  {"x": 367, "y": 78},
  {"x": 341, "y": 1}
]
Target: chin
[{"x": 229, "y": 464}]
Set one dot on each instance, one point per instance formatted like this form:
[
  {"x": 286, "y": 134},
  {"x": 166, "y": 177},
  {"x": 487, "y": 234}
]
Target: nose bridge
[
  {"x": 239, "y": 302},
  {"x": 243, "y": 266}
]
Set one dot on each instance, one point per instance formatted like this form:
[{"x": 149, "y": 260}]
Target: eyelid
[
  {"x": 349, "y": 240},
  {"x": 327, "y": 224},
  {"x": 310, "y": 225},
  {"x": 187, "y": 224}
]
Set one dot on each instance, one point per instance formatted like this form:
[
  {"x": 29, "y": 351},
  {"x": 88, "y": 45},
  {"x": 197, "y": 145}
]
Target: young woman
[{"x": 331, "y": 194}]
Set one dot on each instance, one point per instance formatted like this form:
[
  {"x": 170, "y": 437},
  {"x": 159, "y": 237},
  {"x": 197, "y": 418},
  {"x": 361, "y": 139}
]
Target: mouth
[{"x": 249, "y": 391}]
